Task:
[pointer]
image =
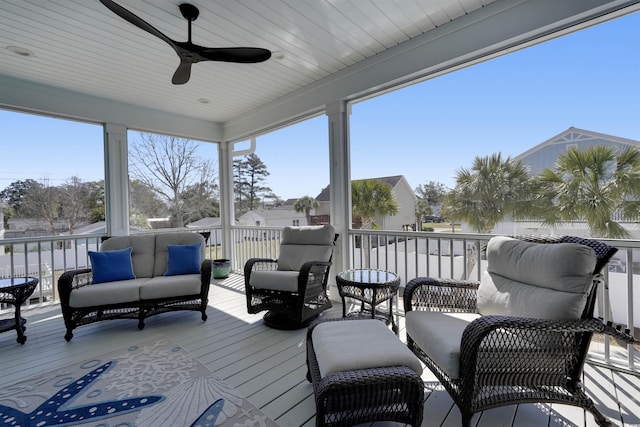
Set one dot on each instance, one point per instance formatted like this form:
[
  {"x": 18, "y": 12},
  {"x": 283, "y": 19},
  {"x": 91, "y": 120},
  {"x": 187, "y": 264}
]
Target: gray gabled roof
[
  {"x": 205, "y": 223},
  {"x": 391, "y": 180},
  {"x": 575, "y": 135},
  {"x": 274, "y": 214}
]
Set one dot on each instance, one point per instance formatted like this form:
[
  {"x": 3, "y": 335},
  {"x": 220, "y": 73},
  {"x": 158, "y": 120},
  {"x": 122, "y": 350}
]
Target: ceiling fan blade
[
  {"x": 182, "y": 74},
  {"x": 245, "y": 55},
  {"x": 136, "y": 20},
  {"x": 188, "y": 52}
]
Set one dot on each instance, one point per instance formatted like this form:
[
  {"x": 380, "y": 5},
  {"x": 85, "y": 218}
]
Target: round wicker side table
[
  {"x": 16, "y": 291},
  {"x": 371, "y": 288}
]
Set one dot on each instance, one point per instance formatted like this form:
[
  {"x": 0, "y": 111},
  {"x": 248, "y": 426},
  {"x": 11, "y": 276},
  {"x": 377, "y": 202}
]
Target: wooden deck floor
[{"x": 268, "y": 365}]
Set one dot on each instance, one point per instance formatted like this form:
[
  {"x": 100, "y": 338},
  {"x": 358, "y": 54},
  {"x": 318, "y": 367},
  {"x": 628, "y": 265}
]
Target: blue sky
[{"x": 589, "y": 79}]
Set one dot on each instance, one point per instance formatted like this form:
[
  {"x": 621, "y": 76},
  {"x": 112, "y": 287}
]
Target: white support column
[
  {"x": 339, "y": 185},
  {"x": 227, "y": 215},
  {"x": 116, "y": 169}
]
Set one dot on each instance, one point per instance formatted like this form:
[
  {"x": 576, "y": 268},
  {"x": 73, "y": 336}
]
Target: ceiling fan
[{"x": 190, "y": 53}]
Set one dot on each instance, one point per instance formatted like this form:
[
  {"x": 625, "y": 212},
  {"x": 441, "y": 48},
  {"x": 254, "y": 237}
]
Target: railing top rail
[
  {"x": 422, "y": 234},
  {"x": 56, "y": 238}
]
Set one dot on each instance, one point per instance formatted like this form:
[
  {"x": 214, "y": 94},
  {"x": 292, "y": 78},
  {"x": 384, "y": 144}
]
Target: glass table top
[
  {"x": 370, "y": 276},
  {"x": 16, "y": 281}
]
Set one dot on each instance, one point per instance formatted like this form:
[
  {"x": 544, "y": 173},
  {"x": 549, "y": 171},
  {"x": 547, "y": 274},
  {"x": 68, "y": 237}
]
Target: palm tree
[
  {"x": 488, "y": 192},
  {"x": 592, "y": 185},
  {"x": 371, "y": 198},
  {"x": 305, "y": 204}
]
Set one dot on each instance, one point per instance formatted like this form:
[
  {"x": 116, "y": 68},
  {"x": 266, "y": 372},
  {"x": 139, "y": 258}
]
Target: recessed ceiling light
[
  {"x": 20, "y": 51},
  {"x": 203, "y": 100},
  {"x": 277, "y": 54}
]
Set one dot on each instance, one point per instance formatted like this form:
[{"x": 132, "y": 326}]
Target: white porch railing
[
  {"x": 45, "y": 258},
  {"x": 408, "y": 254}
]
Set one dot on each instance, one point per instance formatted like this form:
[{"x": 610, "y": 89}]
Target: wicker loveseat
[
  {"x": 167, "y": 272},
  {"x": 522, "y": 333}
]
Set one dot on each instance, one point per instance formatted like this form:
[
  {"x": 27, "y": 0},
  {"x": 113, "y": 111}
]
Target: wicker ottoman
[{"x": 361, "y": 372}]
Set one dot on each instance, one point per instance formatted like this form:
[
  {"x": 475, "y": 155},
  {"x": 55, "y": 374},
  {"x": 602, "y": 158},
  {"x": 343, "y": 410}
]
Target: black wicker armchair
[
  {"x": 522, "y": 333},
  {"x": 292, "y": 288}
]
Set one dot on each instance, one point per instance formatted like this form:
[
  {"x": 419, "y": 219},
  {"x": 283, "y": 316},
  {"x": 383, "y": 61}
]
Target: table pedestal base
[{"x": 280, "y": 321}]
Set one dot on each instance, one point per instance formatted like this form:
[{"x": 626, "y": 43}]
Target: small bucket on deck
[{"x": 221, "y": 268}]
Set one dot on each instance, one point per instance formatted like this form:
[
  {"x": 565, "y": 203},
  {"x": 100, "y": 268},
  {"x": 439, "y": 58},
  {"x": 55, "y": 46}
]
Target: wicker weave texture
[{"x": 348, "y": 398}]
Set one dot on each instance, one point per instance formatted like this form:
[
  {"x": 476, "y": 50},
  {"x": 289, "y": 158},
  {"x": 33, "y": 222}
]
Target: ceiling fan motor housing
[{"x": 189, "y": 12}]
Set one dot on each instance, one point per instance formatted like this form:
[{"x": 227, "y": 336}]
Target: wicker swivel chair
[
  {"x": 522, "y": 333},
  {"x": 292, "y": 288}
]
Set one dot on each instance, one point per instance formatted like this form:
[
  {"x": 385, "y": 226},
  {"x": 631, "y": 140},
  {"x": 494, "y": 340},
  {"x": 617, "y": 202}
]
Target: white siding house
[
  {"x": 272, "y": 218},
  {"x": 403, "y": 194},
  {"x": 544, "y": 156}
]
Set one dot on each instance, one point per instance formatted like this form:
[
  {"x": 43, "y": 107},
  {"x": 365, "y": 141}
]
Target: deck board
[
  {"x": 531, "y": 415},
  {"x": 268, "y": 366}
]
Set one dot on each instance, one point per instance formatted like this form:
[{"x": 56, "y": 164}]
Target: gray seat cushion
[
  {"x": 122, "y": 291},
  {"x": 439, "y": 335},
  {"x": 170, "y": 286},
  {"x": 359, "y": 344},
  {"x": 545, "y": 281}
]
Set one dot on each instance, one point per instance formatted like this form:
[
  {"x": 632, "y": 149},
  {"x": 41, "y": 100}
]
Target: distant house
[
  {"x": 288, "y": 204},
  {"x": 98, "y": 228},
  {"x": 543, "y": 156},
  {"x": 403, "y": 193},
  {"x": 272, "y": 218},
  {"x": 209, "y": 223}
]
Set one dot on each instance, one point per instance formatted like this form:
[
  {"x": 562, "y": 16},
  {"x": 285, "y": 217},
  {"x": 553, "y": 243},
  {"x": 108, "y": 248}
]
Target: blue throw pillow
[
  {"x": 109, "y": 266},
  {"x": 183, "y": 259}
]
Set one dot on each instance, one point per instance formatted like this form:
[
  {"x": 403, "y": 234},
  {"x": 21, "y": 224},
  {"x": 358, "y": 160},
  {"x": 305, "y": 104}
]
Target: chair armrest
[
  {"x": 616, "y": 331},
  {"x": 312, "y": 277},
  {"x": 205, "y": 274},
  {"x": 206, "y": 268},
  {"x": 313, "y": 267},
  {"x": 259, "y": 264},
  {"x": 432, "y": 294},
  {"x": 72, "y": 279},
  {"x": 492, "y": 344}
]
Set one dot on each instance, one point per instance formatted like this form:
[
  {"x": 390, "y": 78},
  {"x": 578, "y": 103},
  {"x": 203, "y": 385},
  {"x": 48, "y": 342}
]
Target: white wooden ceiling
[{"x": 82, "y": 47}]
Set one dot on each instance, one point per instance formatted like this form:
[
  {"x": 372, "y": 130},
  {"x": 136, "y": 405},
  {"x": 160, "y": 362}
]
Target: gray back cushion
[
  {"x": 525, "y": 279},
  {"x": 150, "y": 254},
  {"x": 303, "y": 244},
  {"x": 142, "y": 255}
]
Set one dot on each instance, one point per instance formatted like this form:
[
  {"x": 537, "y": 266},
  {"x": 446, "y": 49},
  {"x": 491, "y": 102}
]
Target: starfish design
[
  {"x": 209, "y": 417},
  {"x": 57, "y": 410}
]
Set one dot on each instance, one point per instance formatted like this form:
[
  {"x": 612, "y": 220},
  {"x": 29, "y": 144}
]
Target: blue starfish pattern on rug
[
  {"x": 57, "y": 409},
  {"x": 209, "y": 417}
]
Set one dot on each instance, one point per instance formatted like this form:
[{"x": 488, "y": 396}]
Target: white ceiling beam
[{"x": 29, "y": 96}]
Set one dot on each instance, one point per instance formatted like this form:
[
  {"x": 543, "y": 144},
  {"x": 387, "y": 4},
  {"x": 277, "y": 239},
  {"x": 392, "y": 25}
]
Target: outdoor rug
[{"x": 154, "y": 383}]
